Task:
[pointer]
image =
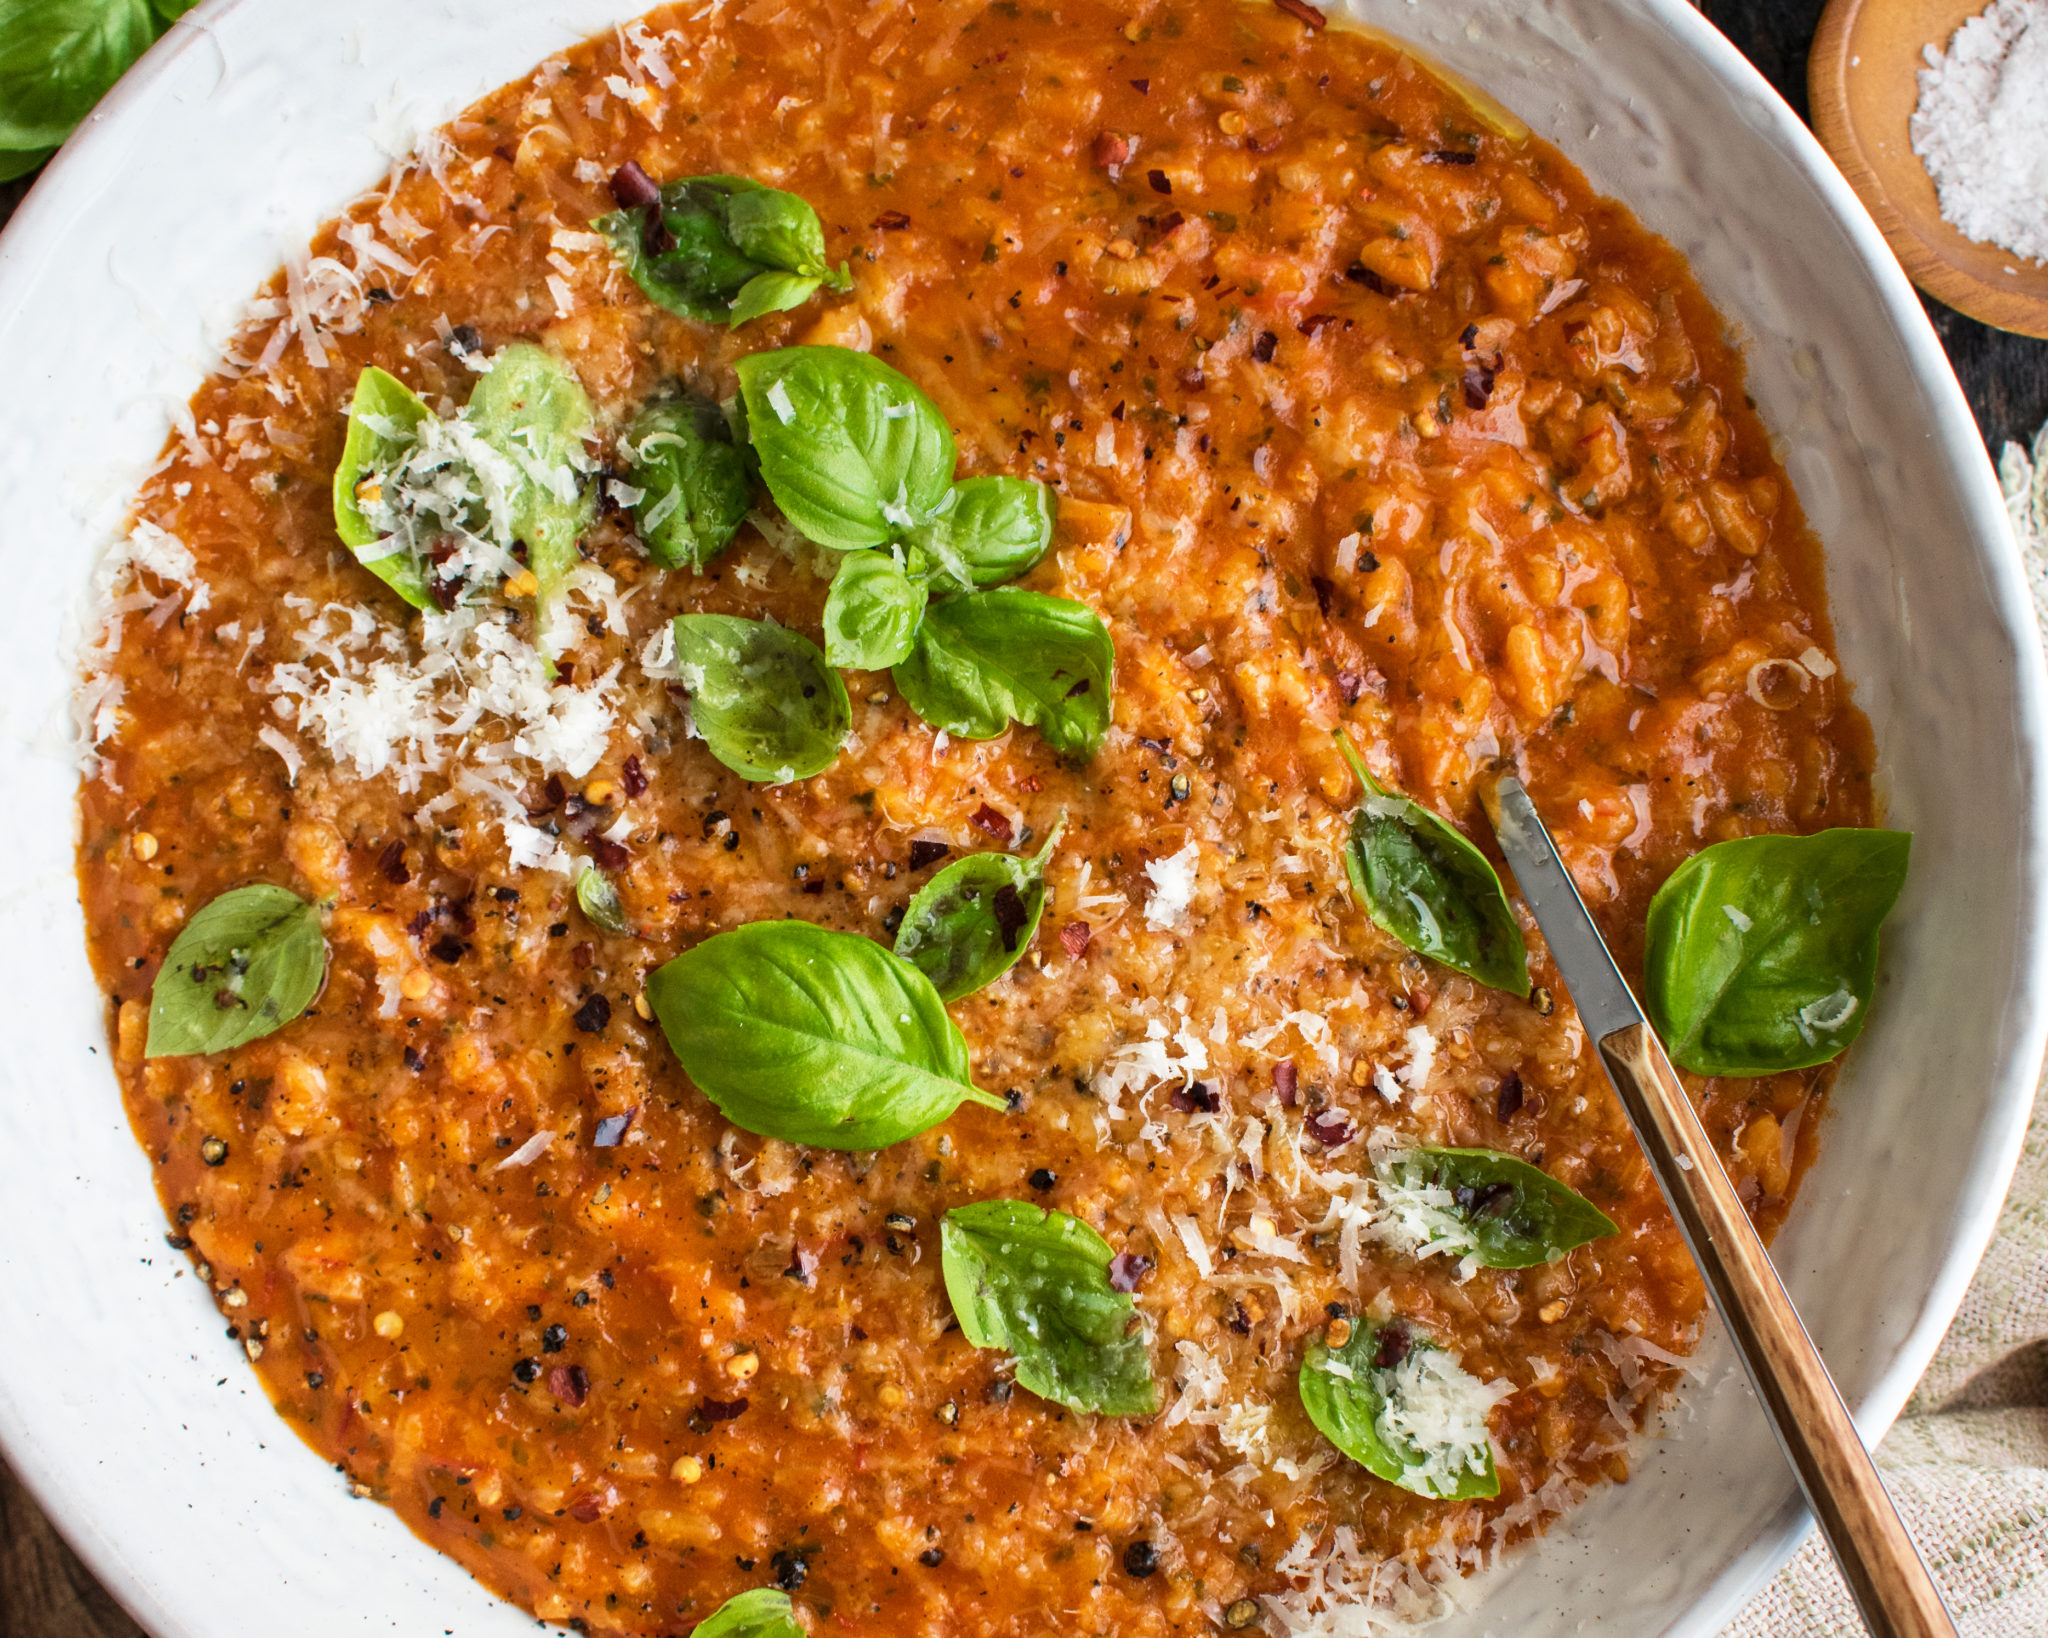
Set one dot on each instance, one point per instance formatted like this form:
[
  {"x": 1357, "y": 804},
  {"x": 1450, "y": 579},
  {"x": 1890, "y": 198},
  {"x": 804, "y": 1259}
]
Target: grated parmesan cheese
[{"x": 1173, "y": 888}]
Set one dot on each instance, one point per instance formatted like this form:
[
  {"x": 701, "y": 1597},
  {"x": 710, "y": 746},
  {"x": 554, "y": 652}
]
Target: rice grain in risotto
[{"x": 1361, "y": 410}]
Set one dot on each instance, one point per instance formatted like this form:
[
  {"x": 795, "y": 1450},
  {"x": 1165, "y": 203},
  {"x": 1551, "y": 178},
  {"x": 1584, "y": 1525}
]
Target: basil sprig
[
  {"x": 693, "y": 481},
  {"x": 871, "y": 613},
  {"x": 762, "y": 696},
  {"x": 384, "y": 419},
  {"x": 990, "y": 658},
  {"x": 764, "y": 1612},
  {"x": 1358, "y": 1404},
  {"x": 1422, "y": 882},
  {"x": 971, "y": 922},
  {"x": 244, "y": 967},
  {"x": 723, "y": 249},
  {"x": 1762, "y": 952},
  {"x": 57, "y": 59},
  {"x": 1501, "y": 1210},
  {"x": 812, "y": 1036},
  {"x": 1035, "y": 1284}
]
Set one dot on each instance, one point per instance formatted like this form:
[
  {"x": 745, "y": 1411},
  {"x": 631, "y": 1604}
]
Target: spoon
[
  {"x": 1862, "y": 83},
  {"x": 1885, "y": 1575}
]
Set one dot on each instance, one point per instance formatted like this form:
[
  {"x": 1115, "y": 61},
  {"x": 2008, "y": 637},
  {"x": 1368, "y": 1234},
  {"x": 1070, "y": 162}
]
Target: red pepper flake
[
  {"x": 1126, "y": 1269},
  {"x": 1507, "y": 1102},
  {"x": 1359, "y": 273},
  {"x": 803, "y": 1263},
  {"x": 556, "y": 793},
  {"x": 1113, "y": 151},
  {"x": 1478, "y": 386},
  {"x": 1285, "y": 1080},
  {"x": 1193, "y": 380},
  {"x": 571, "y": 1385},
  {"x": 1200, "y": 1098},
  {"x": 1324, "y": 592},
  {"x": 1142, "y": 87},
  {"x": 1450, "y": 156},
  {"x": 1264, "y": 346},
  {"x": 985, "y": 818},
  {"x": 1419, "y": 999},
  {"x": 1074, "y": 938},
  {"x": 585, "y": 1509},
  {"x": 609, "y": 855},
  {"x": 448, "y": 949},
  {"x": 1350, "y": 685},
  {"x": 1316, "y": 323},
  {"x": 1329, "y": 1128},
  {"x": 391, "y": 864},
  {"x": 611, "y": 1131},
  {"x": 1169, "y": 224},
  {"x": 634, "y": 777},
  {"x": 594, "y": 1014},
  {"x": 924, "y": 853},
  {"x": 632, "y": 187},
  {"x": 1302, "y": 12},
  {"x": 1160, "y": 182},
  {"x": 1394, "y": 1347},
  {"x": 892, "y": 221},
  {"x": 720, "y": 1410}
]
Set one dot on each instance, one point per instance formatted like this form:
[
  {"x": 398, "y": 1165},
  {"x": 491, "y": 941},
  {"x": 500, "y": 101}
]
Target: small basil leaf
[
  {"x": 871, "y": 613},
  {"x": 995, "y": 529},
  {"x": 1422, "y": 882},
  {"x": 968, "y": 925},
  {"x": 693, "y": 480},
  {"x": 1362, "y": 1407},
  {"x": 781, "y": 231},
  {"x": 532, "y": 409},
  {"x": 812, "y": 1036},
  {"x": 771, "y": 293},
  {"x": 990, "y": 658},
  {"x": 854, "y": 454},
  {"x": 598, "y": 898},
  {"x": 1762, "y": 953},
  {"x": 245, "y": 966},
  {"x": 171, "y": 10},
  {"x": 764, "y": 1612},
  {"x": 764, "y": 699},
  {"x": 1483, "y": 1204},
  {"x": 58, "y": 58},
  {"x": 13, "y": 165},
  {"x": 1035, "y": 1284},
  {"x": 383, "y": 419}
]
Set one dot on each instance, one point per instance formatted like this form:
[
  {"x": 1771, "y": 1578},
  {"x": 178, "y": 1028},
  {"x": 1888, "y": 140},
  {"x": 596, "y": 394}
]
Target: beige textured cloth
[{"x": 1968, "y": 1461}]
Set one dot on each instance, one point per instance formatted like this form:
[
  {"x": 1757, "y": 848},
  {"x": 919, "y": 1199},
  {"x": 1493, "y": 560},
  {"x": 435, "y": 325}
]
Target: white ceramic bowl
[{"x": 139, "y": 1425}]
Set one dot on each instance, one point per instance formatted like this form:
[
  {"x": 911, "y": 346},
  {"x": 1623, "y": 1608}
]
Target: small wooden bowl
[{"x": 1862, "y": 80}]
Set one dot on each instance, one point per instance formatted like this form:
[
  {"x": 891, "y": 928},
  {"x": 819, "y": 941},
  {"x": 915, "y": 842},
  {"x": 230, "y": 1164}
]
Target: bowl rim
[{"x": 37, "y": 224}]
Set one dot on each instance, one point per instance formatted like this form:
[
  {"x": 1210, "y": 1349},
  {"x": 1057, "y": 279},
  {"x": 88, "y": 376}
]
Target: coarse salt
[{"x": 1981, "y": 127}]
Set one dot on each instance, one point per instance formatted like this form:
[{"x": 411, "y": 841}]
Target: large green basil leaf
[
  {"x": 764, "y": 699},
  {"x": 993, "y": 530},
  {"x": 1035, "y": 1284},
  {"x": 765, "y": 1612},
  {"x": 245, "y": 966},
  {"x": 871, "y": 612},
  {"x": 58, "y": 58},
  {"x": 383, "y": 419},
  {"x": 1423, "y": 882},
  {"x": 1762, "y": 952},
  {"x": 1483, "y": 1204},
  {"x": 723, "y": 249},
  {"x": 1370, "y": 1411},
  {"x": 693, "y": 481},
  {"x": 971, "y": 922},
  {"x": 989, "y": 658},
  {"x": 13, "y": 165},
  {"x": 852, "y": 451},
  {"x": 812, "y": 1036},
  {"x": 533, "y": 410}
]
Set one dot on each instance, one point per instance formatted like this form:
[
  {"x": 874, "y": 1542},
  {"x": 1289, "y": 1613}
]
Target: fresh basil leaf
[
  {"x": 994, "y": 530},
  {"x": 871, "y": 612},
  {"x": 1480, "y": 1203},
  {"x": 1422, "y": 882},
  {"x": 812, "y": 1036},
  {"x": 58, "y": 58},
  {"x": 765, "y": 1612},
  {"x": 532, "y": 409},
  {"x": 693, "y": 479},
  {"x": 968, "y": 925},
  {"x": 712, "y": 239},
  {"x": 383, "y": 421},
  {"x": 989, "y": 658},
  {"x": 771, "y": 293},
  {"x": 171, "y": 10},
  {"x": 13, "y": 165},
  {"x": 598, "y": 898},
  {"x": 1361, "y": 1407},
  {"x": 1035, "y": 1284},
  {"x": 245, "y": 966},
  {"x": 1762, "y": 952},
  {"x": 764, "y": 699},
  {"x": 854, "y": 454}
]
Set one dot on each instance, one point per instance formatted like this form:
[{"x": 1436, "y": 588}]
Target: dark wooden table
[{"x": 46, "y": 1593}]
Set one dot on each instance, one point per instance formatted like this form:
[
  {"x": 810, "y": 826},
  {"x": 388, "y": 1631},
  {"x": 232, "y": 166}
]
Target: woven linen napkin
[{"x": 1968, "y": 1461}]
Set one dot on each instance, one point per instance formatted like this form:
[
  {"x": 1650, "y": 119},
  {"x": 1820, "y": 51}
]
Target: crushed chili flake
[
  {"x": 633, "y": 776},
  {"x": 1264, "y": 346},
  {"x": 1074, "y": 938},
  {"x": 925, "y": 853},
  {"x": 891, "y": 221},
  {"x": 570, "y": 1384},
  {"x": 1329, "y": 1128},
  {"x": 611, "y": 1131},
  {"x": 1507, "y": 1102},
  {"x": 1359, "y": 273},
  {"x": 1113, "y": 151},
  {"x": 721, "y": 1410},
  {"x": 1394, "y": 1345},
  {"x": 1302, "y": 12},
  {"x": 1201, "y": 1098},
  {"x": 633, "y": 187},
  {"x": 1478, "y": 386},
  {"x": 1159, "y": 181},
  {"x": 1285, "y": 1081},
  {"x": 594, "y": 1014},
  {"x": 1127, "y": 1268},
  {"x": 1450, "y": 156},
  {"x": 986, "y": 818},
  {"x": 1324, "y": 591},
  {"x": 391, "y": 865}
]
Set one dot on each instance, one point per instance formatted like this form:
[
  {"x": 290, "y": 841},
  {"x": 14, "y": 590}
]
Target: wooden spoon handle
[{"x": 1891, "y": 1586}]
